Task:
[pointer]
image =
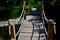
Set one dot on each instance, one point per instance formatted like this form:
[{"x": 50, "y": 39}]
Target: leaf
[
  {"x": 15, "y": 11},
  {"x": 2, "y": 8}
]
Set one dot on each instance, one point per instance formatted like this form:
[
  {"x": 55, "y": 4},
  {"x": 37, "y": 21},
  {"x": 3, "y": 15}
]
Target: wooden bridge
[{"x": 32, "y": 27}]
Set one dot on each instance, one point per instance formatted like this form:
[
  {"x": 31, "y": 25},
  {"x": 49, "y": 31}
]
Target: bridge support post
[
  {"x": 12, "y": 29},
  {"x": 50, "y": 29},
  {"x": 24, "y": 9}
]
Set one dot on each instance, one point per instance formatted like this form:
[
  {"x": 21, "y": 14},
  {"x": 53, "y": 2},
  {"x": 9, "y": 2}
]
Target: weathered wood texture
[
  {"x": 29, "y": 31},
  {"x": 12, "y": 29},
  {"x": 24, "y": 9},
  {"x": 50, "y": 30}
]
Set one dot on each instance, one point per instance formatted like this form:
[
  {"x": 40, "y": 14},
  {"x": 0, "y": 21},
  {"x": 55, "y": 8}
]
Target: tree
[{"x": 15, "y": 6}]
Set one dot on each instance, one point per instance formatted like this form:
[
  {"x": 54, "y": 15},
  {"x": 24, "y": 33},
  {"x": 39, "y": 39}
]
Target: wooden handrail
[{"x": 12, "y": 29}]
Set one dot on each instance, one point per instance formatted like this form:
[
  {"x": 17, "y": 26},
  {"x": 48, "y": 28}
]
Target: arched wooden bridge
[{"x": 32, "y": 27}]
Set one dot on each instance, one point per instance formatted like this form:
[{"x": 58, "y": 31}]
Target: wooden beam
[
  {"x": 24, "y": 9},
  {"x": 12, "y": 29},
  {"x": 50, "y": 30}
]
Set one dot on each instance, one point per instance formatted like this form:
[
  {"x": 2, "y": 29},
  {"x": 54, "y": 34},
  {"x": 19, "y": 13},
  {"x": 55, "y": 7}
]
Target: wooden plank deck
[{"x": 29, "y": 32}]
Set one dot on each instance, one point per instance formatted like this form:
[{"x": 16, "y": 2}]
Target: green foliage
[
  {"x": 34, "y": 3},
  {"x": 31, "y": 3},
  {"x": 15, "y": 11},
  {"x": 11, "y": 7},
  {"x": 15, "y": 6},
  {"x": 2, "y": 8},
  {"x": 52, "y": 2}
]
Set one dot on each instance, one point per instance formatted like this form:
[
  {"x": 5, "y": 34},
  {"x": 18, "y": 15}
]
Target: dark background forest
[{"x": 12, "y": 8}]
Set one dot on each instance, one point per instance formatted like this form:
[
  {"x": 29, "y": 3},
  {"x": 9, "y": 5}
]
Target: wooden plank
[{"x": 12, "y": 29}]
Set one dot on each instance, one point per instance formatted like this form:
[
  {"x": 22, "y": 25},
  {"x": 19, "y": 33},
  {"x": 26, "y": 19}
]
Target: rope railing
[
  {"x": 20, "y": 19},
  {"x": 16, "y": 21},
  {"x": 44, "y": 17},
  {"x": 44, "y": 13},
  {"x": 55, "y": 29}
]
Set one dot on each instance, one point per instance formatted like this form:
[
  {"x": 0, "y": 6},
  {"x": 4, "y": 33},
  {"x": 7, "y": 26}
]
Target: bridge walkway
[{"x": 30, "y": 30}]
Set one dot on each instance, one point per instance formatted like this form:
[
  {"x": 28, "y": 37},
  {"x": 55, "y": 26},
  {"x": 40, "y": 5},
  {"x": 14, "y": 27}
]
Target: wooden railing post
[
  {"x": 50, "y": 29},
  {"x": 12, "y": 29},
  {"x": 24, "y": 9}
]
